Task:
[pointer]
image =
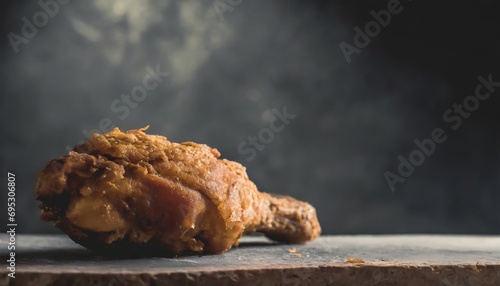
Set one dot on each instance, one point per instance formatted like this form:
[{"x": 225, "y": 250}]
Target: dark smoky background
[{"x": 228, "y": 70}]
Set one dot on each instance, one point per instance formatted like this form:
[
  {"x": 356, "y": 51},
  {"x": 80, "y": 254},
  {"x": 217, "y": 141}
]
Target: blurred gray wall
[{"x": 228, "y": 70}]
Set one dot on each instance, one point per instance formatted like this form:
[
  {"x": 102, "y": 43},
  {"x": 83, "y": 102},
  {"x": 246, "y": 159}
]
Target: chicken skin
[{"x": 133, "y": 191}]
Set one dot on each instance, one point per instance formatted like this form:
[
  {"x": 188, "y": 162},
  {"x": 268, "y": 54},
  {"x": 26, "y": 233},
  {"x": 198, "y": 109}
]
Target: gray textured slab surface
[{"x": 389, "y": 260}]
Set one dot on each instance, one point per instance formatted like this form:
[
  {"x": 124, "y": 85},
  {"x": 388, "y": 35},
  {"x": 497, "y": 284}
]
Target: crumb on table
[{"x": 354, "y": 260}]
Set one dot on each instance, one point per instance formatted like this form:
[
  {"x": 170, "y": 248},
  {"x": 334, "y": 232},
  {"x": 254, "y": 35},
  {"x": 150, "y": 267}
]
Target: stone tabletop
[{"x": 339, "y": 260}]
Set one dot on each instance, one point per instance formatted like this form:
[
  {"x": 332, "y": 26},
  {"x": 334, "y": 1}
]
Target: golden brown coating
[{"x": 137, "y": 191}]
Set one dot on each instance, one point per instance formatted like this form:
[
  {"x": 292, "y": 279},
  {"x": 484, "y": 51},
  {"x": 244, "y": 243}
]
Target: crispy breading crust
[{"x": 142, "y": 192}]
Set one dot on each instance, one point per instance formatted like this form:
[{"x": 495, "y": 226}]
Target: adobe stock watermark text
[
  {"x": 372, "y": 29},
  {"x": 127, "y": 101},
  {"x": 454, "y": 117},
  {"x": 39, "y": 19},
  {"x": 265, "y": 136},
  {"x": 11, "y": 224}
]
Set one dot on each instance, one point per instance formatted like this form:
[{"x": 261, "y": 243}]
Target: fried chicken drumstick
[{"x": 132, "y": 191}]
